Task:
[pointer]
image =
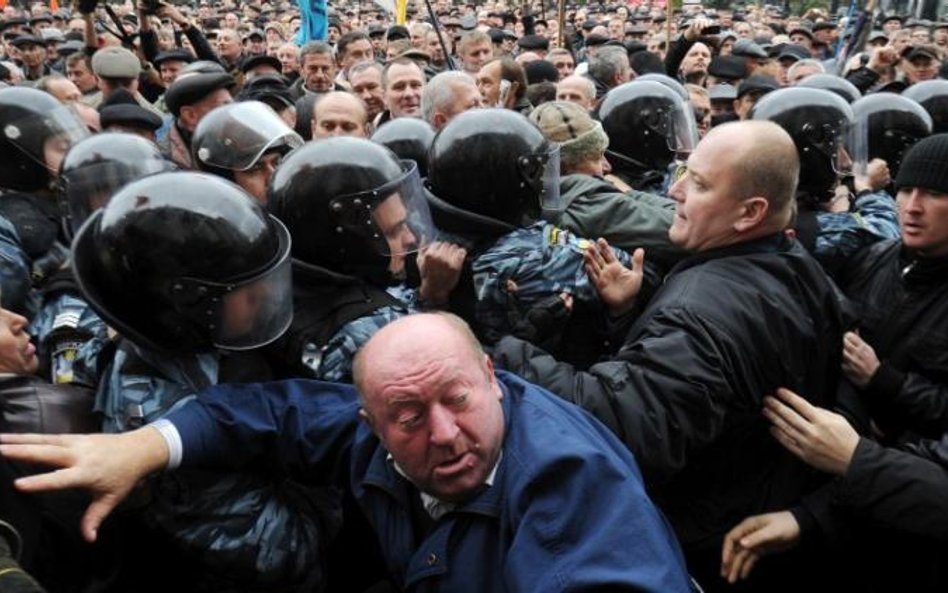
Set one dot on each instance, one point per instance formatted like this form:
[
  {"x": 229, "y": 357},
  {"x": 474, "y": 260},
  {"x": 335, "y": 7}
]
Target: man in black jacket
[{"x": 747, "y": 312}]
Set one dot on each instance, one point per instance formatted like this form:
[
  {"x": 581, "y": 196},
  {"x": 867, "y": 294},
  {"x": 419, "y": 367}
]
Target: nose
[
  {"x": 442, "y": 426},
  {"x": 912, "y": 202},
  {"x": 606, "y": 167},
  {"x": 676, "y": 192}
]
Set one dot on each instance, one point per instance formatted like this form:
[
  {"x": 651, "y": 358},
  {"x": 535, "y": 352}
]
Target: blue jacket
[{"x": 567, "y": 510}]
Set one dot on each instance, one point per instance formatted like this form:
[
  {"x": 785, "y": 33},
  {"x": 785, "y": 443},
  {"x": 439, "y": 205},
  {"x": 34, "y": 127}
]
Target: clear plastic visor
[
  {"x": 249, "y": 131},
  {"x": 47, "y": 137},
  {"x": 843, "y": 144},
  {"x": 394, "y": 218},
  {"x": 544, "y": 170},
  {"x": 90, "y": 188},
  {"x": 256, "y": 312}
]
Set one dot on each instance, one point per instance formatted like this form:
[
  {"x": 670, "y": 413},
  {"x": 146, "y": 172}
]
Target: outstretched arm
[{"x": 109, "y": 466}]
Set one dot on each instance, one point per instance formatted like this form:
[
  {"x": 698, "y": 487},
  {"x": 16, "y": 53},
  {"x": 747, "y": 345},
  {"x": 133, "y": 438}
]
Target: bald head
[
  {"x": 339, "y": 113},
  {"x": 764, "y": 160}
]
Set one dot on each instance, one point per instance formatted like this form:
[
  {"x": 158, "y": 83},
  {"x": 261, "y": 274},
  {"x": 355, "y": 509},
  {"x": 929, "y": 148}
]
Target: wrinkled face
[
  {"x": 434, "y": 49},
  {"x": 923, "y": 215},
  {"x": 367, "y": 85},
  {"x": 319, "y": 72},
  {"x": 356, "y": 52},
  {"x": 744, "y": 30},
  {"x": 255, "y": 179},
  {"x": 438, "y": 412},
  {"x": 488, "y": 83},
  {"x": 574, "y": 91},
  {"x": 476, "y": 55},
  {"x": 403, "y": 91},
  {"x": 64, "y": 90},
  {"x": 228, "y": 44},
  {"x": 466, "y": 96},
  {"x": 17, "y": 354},
  {"x": 564, "y": 65},
  {"x": 706, "y": 208}
]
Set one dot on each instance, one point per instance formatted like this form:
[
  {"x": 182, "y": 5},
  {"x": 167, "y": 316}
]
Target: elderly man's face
[
  {"x": 32, "y": 55},
  {"x": 435, "y": 407},
  {"x": 17, "y": 354},
  {"x": 488, "y": 83},
  {"x": 476, "y": 55},
  {"x": 319, "y": 72},
  {"x": 575, "y": 91},
  {"x": 923, "y": 215},
  {"x": 289, "y": 58},
  {"x": 356, "y": 52},
  {"x": 403, "y": 90},
  {"x": 333, "y": 116},
  {"x": 169, "y": 70},
  {"x": 564, "y": 64}
]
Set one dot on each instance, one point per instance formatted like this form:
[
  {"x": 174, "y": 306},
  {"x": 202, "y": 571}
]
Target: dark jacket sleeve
[
  {"x": 202, "y": 49},
  {"x": 899, "y": 489},
  {"x": 301, "y": 429},
  {"x": 909, "y": 399},
  {"x": 863, "y": 79},
  {"x": 677, "y": 50},
  {"x": 661, "y": 410},
  {"x": 149, "y": 42}
]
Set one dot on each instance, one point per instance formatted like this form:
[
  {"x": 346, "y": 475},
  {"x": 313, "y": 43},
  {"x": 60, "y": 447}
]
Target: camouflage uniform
[
  {"x": 247, "y": 530},
  {"x": 833, "y": 237},
  {"x": 526, "y": 266},
  {"x": 333, "y": 362},
  {"x": 69, "y": 336},
  {"x": 15, "y": 286}
]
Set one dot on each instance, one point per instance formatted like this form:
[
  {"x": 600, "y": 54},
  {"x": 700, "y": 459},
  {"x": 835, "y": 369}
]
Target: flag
[
  {"x": 401, "y": 16},
  {"x": 313, "y": 25},
  {"x": 53, "y": 5}
]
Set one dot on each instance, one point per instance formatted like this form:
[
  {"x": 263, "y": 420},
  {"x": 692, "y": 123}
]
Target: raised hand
[{"x": 616, "y": 284}]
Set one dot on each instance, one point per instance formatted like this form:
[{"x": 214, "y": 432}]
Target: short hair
[
  {"x": 401, "y": 62},
  {"x": 512, "y": 71},
  {"x": 42, "y": 84},
  {"x": 425, "y": 28},
  {"x": 363, "y": 66},
  {"x": 588, "y": 85},
  {"x": 609, "y": 62},
  {"x": 351, "y": 37},
  {"x": 472, "y": 38},
  {"x": 439, "y": 92},
  {"x": 694, "y": 89},
  {"x": 558, "y": 51},
  {"x": 315, "y": 48},
  {"x": 540, "y": 93},
  {"x": 807, "y": 63},
  {"x": 79, "y": 56},
  {"x": 769, "y": 167}
]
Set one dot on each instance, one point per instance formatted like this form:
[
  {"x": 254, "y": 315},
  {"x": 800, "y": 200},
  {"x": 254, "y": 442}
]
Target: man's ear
[
  {"x": 438, "y": 120},
  {"x": 756, "y": 211},
  {"x": 491, "y": 377},
  {"x": 367, "y": 418}
]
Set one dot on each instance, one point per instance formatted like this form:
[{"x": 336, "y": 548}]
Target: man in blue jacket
[{"x": 473, "y": 481}]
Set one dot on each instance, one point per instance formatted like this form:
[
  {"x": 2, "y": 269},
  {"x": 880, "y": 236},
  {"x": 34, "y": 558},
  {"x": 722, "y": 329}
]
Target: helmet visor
[
  {"x": 255, "y": 312},
  {"x": 856, "y": 147},
  {"x": 46, "y": 137},
  {"x": 394, "y": 218},
  {"x": 246, "y": 132},
  {"x": 682, "y": 133},
  {"x": 89, "y": 188},
  {"x": 831, "y": 139},
  {"x": 550, "y": 199}
]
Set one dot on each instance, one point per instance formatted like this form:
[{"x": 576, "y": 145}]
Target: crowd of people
[{"x": 491, "y": 300}]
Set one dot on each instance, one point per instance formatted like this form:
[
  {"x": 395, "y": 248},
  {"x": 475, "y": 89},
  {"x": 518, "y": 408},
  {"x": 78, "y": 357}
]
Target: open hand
[
  {"x": 616, "y": 284},
  {"x": 752, "y": 538}
]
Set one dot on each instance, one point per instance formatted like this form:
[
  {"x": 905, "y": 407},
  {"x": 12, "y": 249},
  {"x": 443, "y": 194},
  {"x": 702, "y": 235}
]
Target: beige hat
[
  {"x": 116, "y": 62},
  {"x": 580, "y": 136}
]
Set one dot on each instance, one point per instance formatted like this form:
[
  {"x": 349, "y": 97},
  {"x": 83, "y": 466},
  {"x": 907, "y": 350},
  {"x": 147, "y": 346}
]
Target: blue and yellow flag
[{"x": 314, "y": 24}]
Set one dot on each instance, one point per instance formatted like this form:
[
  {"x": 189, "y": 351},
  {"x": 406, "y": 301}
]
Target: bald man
[
  {"x": 339, "y": 113},
  {"x": 750, "y": 311},
  {"x": 474, "y": 481}
]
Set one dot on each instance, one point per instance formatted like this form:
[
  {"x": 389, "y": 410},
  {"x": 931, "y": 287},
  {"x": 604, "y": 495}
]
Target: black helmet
[
  {"x": 352, "y": 207},
  {"x": 932, "y": 95},
  {"x": 495, "y": 163},
  {"x": 183, "y": 261},
  {"x": 819, "y": 122},
  {"x": 409, "y": 138},
  {"x": 98, "y": 166},
  {"x": 233, "y": 137},
  {"x": 647, "y": 123},
  {"x": 832, "y": 83},
  {"x": 667, "y": 81},
  {"x": 35, "y": 131},
  {"x": 892, "y": 125}
]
